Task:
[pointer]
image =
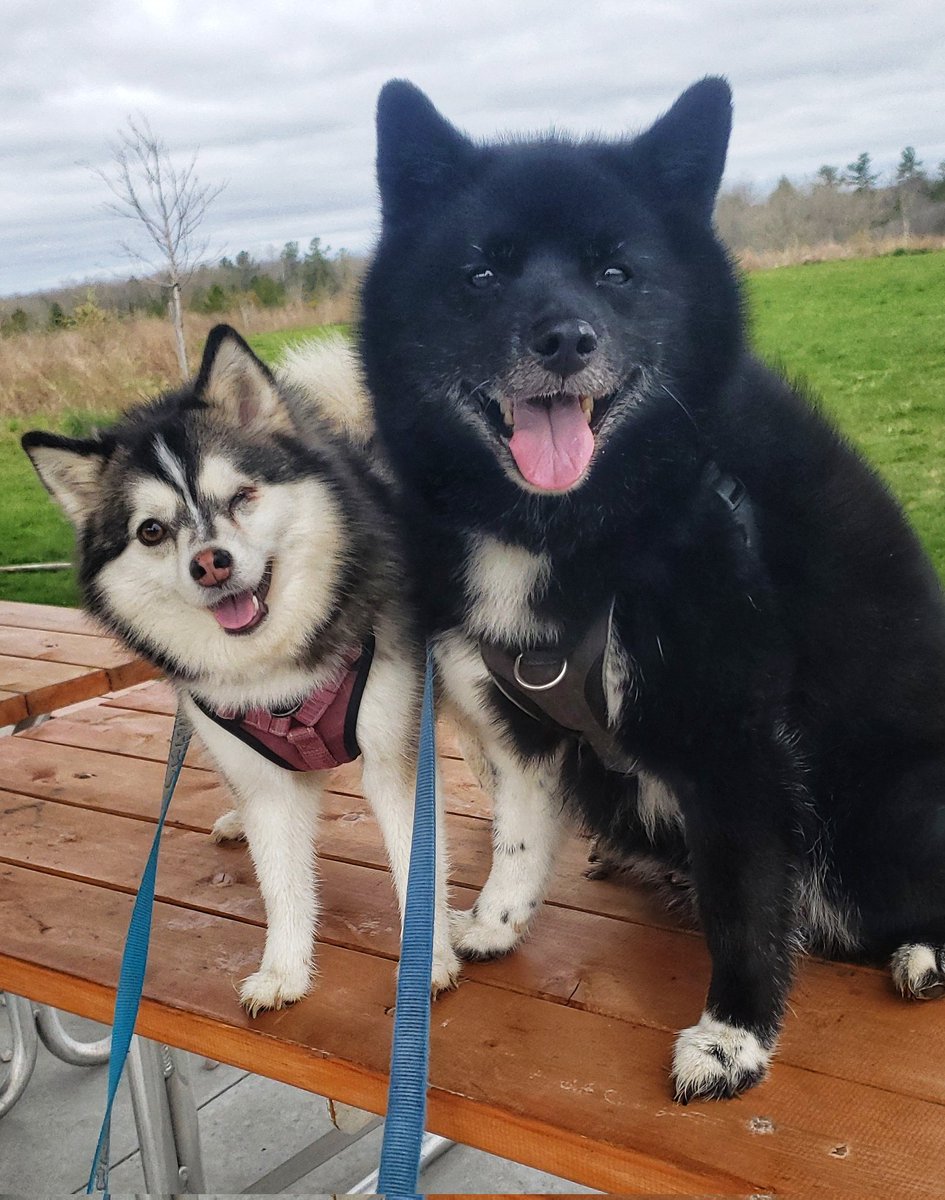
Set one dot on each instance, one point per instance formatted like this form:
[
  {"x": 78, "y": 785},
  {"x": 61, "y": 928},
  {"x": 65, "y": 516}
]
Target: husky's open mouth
[
  {"x": 244, "y": 611},
  {"x": 551, "y": 438}
]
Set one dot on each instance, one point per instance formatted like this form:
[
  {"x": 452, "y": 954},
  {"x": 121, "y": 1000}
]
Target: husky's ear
[
  {"x": 420, "y": 155},
  {"x": 240, "y": 385},
  {"x": 71, "y": 470},
  {"x": 685, "y": 149}
]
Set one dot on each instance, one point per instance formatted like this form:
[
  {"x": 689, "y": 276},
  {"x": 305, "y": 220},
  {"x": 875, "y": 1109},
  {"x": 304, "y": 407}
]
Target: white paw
[
  {"x": 715, "y": 1061},
  {"x": 479, "y": 935},
  {"x": 446, "y": 968},
  {"x": 918, "y": 970},
  {"x": 268, "y": 988},
  {"x": 228, "y": 828}
]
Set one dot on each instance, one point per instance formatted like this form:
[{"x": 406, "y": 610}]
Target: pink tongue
[
  {"x": 551, "y": 446},
  {"x": 236, "y": 612}
]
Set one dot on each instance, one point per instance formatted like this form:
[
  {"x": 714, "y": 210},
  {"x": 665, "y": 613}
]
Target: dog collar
[{"x": 317, "y": 733}]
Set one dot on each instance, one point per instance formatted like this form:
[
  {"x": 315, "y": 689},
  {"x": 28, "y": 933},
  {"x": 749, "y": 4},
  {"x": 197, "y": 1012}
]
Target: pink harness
[{"x": 319, "y": 732}]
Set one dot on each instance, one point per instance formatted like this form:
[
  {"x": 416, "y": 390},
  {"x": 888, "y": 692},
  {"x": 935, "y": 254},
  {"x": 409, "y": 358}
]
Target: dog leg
[
  {"x": 527, "y": 823},
  {"x": 742, "y": 837},
  {"x": 388, "y": 715},
  {"x": 527, "y": 827},
  {"x": 277, "y": 811}
]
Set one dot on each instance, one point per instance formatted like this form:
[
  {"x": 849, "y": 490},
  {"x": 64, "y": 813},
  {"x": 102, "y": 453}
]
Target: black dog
[{"x": 728, "y": 643}]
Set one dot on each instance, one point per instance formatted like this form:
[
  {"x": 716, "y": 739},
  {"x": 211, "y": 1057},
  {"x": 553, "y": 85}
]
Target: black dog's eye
[
  {"x": 481, "y": 277},
  {"x": 614, "y": 275},
  {"x": 243, "y": 496},
  {"x": 151, "y": 532}
]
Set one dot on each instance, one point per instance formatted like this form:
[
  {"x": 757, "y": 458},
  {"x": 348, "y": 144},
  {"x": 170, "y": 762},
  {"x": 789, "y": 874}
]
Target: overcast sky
[{"x": 279, "y": 98}]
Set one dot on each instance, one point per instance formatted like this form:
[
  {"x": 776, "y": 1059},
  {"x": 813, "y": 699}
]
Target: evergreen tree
[{"x": 860, "y": 176}]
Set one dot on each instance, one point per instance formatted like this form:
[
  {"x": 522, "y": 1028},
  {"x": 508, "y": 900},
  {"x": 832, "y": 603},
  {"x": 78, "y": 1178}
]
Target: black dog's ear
[
  {"x": 420, "y": 155},
  {"x": 239, "y": 385},
  {"x": 71, "y": 470},
  {"x": 684, "y": 151}
]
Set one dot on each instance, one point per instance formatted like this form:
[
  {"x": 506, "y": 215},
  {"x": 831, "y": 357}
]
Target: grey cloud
[{"x": 280, "y": 103}]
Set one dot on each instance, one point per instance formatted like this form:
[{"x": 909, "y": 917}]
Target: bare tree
[{"x": 169, "y": 203}]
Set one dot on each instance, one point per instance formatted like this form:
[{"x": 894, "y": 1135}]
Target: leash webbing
[
  {"x": 410, "y": 1055},
  {"x": 135, "y": 959}
]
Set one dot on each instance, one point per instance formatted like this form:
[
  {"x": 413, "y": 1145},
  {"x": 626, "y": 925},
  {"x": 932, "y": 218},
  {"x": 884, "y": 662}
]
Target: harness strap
[
  {"x": 318, "y": 733},
  {"x": 564, "y": 686}
]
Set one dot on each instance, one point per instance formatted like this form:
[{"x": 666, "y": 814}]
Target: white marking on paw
[
  {"x": 269, "y": 988},
  {"x": 446, "y": 968},
  {"x": 484, "y": 935},
  {"x": 714, "y": 1060},
  {"x": 228, "y": 828},
  {"x": 917, "y": 971}
]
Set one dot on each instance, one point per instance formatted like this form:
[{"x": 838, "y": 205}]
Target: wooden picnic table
[
  {"x": 51, "y": 657},
  {"x": 556, "y": 1056}
]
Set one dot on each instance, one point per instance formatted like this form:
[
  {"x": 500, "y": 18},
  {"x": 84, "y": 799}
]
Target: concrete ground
[{"x": 249, "y": 1126}]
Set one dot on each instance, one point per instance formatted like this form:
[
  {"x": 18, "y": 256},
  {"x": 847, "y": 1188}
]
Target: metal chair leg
[
  {"x": 25, "y": 1044},
  {"x": 65, "y": 1047},
  {"x": 165, "y": 1118}
]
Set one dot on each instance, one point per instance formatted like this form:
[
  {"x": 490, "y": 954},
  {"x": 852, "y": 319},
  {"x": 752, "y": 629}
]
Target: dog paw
[
  {"x": 716, "y": 1061},
  {"x": 268, "y": 988},
  {"x": 446, "y": 968},
  {"x": 228, "y": 828},
  {"x": 918, "y": 970},
  {"x": 479, "y": 936}
]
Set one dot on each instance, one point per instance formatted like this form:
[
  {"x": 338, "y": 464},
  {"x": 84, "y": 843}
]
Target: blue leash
[
  {"x": 406, "y": 1101},
  {"x": 410, "y": 1056},
  {"x": 134, "y": 960}
]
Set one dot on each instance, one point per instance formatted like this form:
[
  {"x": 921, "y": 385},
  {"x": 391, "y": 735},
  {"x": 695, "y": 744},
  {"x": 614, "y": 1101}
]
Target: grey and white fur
[{"x": 264, "y": 482}]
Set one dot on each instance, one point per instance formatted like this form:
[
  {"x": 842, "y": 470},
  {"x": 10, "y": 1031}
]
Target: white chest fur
[{"x": 503, "y": 585}]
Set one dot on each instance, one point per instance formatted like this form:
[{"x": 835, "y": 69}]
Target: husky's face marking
[
  {"x": 581, "y": 278},
  {"x": 209, "y": 539}
]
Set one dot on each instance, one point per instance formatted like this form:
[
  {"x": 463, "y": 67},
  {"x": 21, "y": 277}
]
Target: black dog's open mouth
[
  {"x": 551, "y": 438},
  {"x": 244, "y": 611}
]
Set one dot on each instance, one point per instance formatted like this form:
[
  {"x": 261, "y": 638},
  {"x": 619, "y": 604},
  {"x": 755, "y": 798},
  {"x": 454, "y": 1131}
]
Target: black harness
[{"x": 566, "y": 686}]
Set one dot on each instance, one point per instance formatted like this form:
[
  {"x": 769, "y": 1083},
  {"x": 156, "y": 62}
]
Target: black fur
[{"x": 792, "y": 695}]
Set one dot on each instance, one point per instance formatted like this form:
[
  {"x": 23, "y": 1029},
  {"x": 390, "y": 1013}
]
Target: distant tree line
[
  {"x": 839, "y": 205},
  {"x": 230, "y": 286}
]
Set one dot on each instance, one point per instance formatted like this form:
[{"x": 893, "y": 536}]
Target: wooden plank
[
  {"x": 48, "y": 685},
  {"x": 570, "y": 1091},
  {"x": 157, "y": 697},
  {"x": 630, "y": 971},
  {"x": 12, "y": 708},
  {"x": 81, "y": 649},
  {"x": 22, "y": 615}
]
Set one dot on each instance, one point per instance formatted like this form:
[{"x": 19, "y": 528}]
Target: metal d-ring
[{"x": 538, "y": 687}]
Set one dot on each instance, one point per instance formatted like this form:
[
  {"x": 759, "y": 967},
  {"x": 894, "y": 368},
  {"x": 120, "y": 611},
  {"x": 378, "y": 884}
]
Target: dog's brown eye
[
  {"x": 151, "y": 532},
  {"x": 482, "y": 277}
]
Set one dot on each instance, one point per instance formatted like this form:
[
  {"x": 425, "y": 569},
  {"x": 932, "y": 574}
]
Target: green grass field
[{"x": 866, "y": 335}]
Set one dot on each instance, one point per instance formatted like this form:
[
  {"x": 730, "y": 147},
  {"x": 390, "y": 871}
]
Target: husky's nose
[
  {"x": 211, "y": 567},
  {"x": 564, "y": 347}
]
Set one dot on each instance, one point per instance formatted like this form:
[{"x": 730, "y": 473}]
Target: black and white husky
[
  {"x": 628, "y": 527},
  {"x": 232, "y": 534}
]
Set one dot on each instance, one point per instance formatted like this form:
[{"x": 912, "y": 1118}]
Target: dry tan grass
[
  {"x": 108, "y": 366},
  {"x": 862, "y": 246}
]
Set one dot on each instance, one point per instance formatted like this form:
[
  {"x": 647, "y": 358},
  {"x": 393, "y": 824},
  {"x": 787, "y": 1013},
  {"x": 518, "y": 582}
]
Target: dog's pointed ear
[
  {"x": 685, "y": 149},
  {"x": 420, "y": 155},
  {"x": 71, "y": 470},
  {"x": 239, "y": 385}
]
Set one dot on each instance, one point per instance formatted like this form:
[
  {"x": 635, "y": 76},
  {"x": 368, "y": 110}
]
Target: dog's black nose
[
  {"x": 564, "y": 347},
  {"x": 211, "y": 567}
]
